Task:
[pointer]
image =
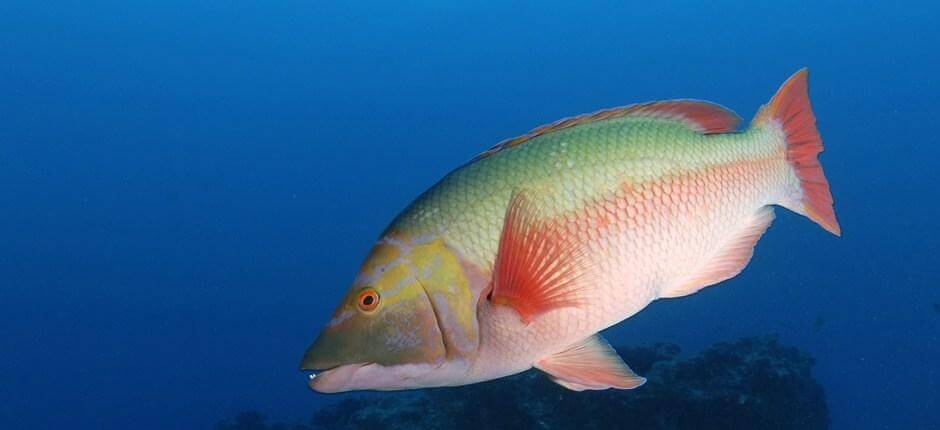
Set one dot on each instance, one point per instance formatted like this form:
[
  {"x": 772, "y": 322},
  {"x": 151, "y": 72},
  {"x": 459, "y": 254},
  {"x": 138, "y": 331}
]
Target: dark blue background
[{"x": 186, "y": 188}]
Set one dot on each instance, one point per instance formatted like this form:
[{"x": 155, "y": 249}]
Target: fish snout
[{"x": 316, "y": 357}]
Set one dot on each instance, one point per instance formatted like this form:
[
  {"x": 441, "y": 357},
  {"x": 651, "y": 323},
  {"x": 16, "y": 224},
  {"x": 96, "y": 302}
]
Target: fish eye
[{"x": 368, "y": 300}]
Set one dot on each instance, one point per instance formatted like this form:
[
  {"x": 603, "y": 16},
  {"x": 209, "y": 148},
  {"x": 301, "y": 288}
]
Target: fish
[{"x": 520, "y": 257}]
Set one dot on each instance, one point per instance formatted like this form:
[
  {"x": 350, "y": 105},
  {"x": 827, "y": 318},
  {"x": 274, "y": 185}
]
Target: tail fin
[{"x": 790, "y": 110}]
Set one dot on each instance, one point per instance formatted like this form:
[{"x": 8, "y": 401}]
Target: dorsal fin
[{"x": 703, "y": 117}]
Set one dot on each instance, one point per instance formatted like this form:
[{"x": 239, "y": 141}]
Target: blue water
[{"x": 187, "y": 188}]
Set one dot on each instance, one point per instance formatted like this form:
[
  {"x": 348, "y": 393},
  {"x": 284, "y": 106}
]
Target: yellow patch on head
[
  {"x": 440, "y": 272},
  {"x": 390, "y": 276}
]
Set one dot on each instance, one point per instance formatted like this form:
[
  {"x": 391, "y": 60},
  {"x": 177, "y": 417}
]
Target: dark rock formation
[{"x": 750, "y": 383}]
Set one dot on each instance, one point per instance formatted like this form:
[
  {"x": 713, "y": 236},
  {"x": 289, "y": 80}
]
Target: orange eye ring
[{"x": 368, "y": 300}]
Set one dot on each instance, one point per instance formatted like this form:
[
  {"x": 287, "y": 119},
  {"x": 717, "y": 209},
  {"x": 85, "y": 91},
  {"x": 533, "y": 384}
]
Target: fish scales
[
  {"x": 520, "y": 257},
  {"x": 569, "y": 169}
]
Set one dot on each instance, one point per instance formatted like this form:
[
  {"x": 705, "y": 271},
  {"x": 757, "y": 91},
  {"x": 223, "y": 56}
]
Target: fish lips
[
  {"x": 328, "y": 377},
  {"x": 337, "y": 379},
  {"x": 366, "y": 376}
]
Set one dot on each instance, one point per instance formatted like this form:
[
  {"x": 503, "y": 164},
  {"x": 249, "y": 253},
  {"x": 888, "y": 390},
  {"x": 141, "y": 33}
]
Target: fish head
[{"x": 409, "y": 311}]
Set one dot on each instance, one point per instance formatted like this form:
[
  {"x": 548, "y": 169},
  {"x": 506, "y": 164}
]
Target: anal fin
[
  {"x": 591, "y": 364},
  {"x": 729, "y": 259}
]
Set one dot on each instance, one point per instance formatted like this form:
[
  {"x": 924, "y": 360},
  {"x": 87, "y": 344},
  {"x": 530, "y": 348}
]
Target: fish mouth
[
  {"x": 372, "y": 376},
  {"x": 328, "y": 375},
  {"x": 335, "y": 379}
]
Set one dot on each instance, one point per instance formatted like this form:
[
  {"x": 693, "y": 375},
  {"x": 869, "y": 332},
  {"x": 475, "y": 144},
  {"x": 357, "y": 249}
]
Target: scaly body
[
  {"x": 656, "y": 200},
  {"x": 651, "y": 198}
]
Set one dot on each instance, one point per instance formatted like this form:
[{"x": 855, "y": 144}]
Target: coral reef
[{"x": 748, "y": 383}]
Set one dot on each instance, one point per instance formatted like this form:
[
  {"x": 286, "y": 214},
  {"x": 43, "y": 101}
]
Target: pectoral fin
[
  {"x": 539, "y": 267},
  {"x": 589, "y": 365}
]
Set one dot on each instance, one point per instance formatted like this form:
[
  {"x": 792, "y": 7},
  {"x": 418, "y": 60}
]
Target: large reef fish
[{"x": 520, "y": 257}]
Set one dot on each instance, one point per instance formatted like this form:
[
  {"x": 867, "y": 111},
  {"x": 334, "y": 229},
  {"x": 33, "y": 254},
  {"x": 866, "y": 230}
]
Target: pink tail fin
[{"x": 790, "y": 110}]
